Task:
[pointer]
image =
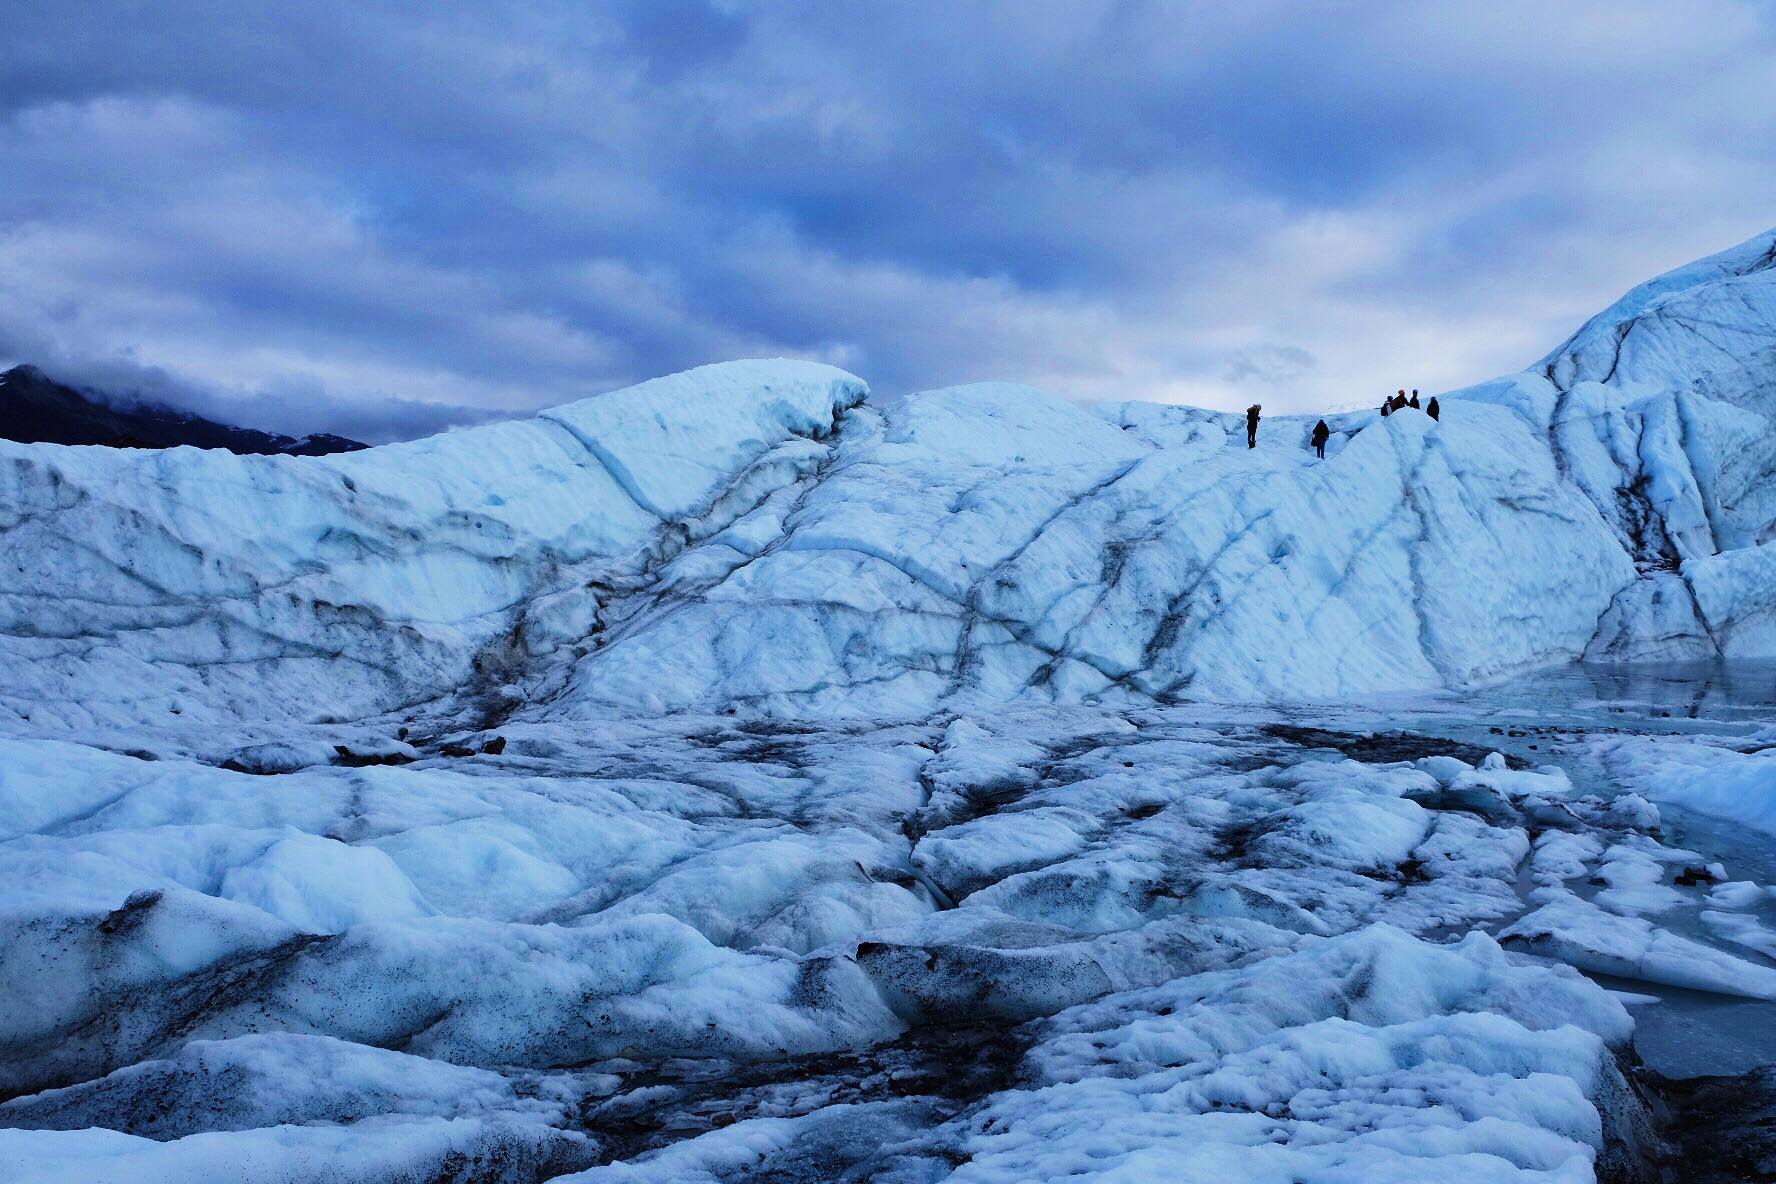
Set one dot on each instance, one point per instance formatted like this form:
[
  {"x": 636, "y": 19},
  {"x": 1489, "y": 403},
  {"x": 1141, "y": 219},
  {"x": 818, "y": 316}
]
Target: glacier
[
  {"x": 763, "y": 534},
  {"x": 743, "y": 777}
]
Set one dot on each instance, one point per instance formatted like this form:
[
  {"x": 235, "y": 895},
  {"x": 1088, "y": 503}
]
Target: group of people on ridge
[
  {"x": 1400, "y": 402},
  {"x": 1322, "y": 433}
]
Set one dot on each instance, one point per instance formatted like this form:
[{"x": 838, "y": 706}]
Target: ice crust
[{"x": 451, "y": 810}]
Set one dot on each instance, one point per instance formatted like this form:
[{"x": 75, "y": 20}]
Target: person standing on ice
[
  {"x": 1321, "y": 433},
  {"x": 1400, "y": 401},
  {"x": 1431, "y": 408},
  {"x": 1252, "y": 425},
  {"x": 1413, "y": 401},
  {"x": 1387, "y": 407}
]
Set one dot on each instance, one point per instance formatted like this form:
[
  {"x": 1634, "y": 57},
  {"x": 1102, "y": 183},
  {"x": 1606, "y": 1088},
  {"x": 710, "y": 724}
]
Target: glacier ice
[
  {"x": 184, "y": 580},
  {"x": 738, "y": 776},
  {"x": 526, "y": 953},
  {"x": 761, "y": 533}
]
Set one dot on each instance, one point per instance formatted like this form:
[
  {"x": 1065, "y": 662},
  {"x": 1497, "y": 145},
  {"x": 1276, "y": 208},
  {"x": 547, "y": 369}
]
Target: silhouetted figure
[
  {"x": 1321, "y": 434},
  {"x": 1387, "y": 408},
  {"x": 1431, "y": 407},
  {"x": 1413, "y": 401},
  {"x": 1252, "y": 425}
]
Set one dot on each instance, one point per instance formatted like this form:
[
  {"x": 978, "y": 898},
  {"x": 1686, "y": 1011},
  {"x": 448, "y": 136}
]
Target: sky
[{"x": 385, "y": 219}]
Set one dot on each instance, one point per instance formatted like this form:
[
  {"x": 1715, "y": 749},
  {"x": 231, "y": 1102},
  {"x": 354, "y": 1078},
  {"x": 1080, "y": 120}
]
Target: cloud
[
  {"x": 378, "y": 218},
  {"x": 1268, "y": 363}
]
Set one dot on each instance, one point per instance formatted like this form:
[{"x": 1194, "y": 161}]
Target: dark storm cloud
[{"x": 382, "y": 218}]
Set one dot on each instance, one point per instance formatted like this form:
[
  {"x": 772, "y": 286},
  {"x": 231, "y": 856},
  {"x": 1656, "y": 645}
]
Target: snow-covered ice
[{"x": 736, "y": 777}]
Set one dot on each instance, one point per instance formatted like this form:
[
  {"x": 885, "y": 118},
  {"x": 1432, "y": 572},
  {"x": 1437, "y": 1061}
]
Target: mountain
[
  {"x": 35, "y": 409},
  {"x": 763, "y": 533}
]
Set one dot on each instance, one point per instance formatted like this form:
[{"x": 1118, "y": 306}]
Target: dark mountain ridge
[{"x": 35, "y": 409}]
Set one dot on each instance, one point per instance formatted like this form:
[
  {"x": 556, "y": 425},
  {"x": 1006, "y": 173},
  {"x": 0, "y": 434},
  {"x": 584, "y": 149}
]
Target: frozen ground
[{"x": 731, "y": 779}]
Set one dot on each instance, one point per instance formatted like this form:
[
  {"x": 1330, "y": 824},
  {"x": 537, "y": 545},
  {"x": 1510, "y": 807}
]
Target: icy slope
[
  {"x": 1000, "y": 541},
  {"x": 150, "y": 585},
  {"x": 758, "y": 533},
  {"x": 1662, "y": 408},
  {"x": 1613, "y": 502}
]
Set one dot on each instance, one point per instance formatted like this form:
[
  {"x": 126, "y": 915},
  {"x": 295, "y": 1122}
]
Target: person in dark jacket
[
  {"x": 1252, "y": 425},
  {"x": 1431, "y": 408},
  {"x": 1321, "y": 434},
  {"x": 1413, "y": 401},
  {"x": 1387, "y": 407}
]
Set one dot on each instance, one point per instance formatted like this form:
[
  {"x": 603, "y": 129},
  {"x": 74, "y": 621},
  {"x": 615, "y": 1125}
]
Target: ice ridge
[{"x": 761, "y": 534}]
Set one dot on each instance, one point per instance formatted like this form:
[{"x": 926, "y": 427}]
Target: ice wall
[
  {"x": 760, "y": 533},
  {"x": 148, "y": 586},
  {"x": 1662, "y": 409},
  {"x": 999, "y": 542}
]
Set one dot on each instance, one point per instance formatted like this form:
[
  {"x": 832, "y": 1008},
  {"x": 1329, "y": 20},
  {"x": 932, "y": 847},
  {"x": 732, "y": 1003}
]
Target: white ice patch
[
  {"x": 1739, "y": 894},
  {"x": 362, "y": 1154},
  {"x": 1736, "y": 786},
  {"x": 1564, "y": 855},
  {"x": 1742, "y": 930},
  {"x": 1494, "y": 774},
  {"x": 1635, "y": 880},
  {"x": 324, "y": 886},
  {"x": 1579, "y": 933}
]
